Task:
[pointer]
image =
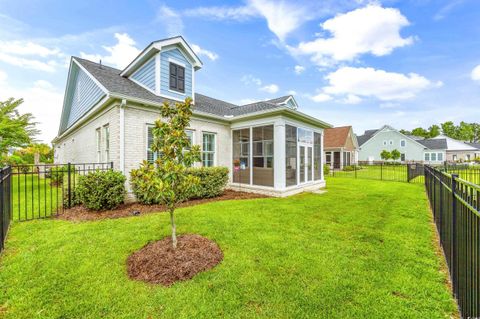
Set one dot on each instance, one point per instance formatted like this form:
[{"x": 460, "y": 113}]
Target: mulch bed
[
  {"x": 159, "y": 263},
  {"x": 80, "y": 213}
]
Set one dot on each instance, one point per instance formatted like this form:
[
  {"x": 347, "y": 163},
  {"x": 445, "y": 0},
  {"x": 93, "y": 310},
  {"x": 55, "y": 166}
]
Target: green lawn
[
  {"x": 365, "y": 249},
  {"x": 396, "y": 173},
  {"x": 33, "y": 196}
]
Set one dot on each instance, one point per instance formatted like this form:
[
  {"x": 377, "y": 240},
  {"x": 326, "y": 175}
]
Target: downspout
[{"x": 122, "y": 135}]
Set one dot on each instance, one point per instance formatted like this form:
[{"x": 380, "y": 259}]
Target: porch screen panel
[
  {"x": 291, "y": 155},
  {"x": 262, "y": 151},
  {"x": 241, "y": 156},
  {"x": 317, "y": 156}
]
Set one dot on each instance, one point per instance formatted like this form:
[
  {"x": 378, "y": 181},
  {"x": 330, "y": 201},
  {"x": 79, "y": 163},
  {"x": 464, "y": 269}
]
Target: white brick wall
[
  {"x": 136, "y": 121},
  {"x": 79, "y": 146}
]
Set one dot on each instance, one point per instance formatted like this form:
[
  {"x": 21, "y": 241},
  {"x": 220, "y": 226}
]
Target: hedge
[{"x": 101, "y": 190}]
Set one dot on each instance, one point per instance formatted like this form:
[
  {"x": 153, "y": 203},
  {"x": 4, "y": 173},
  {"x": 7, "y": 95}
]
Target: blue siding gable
[
  {"x": 176, "y": 55},
  {"x": 83, "y": 94},
  {"x": 291, "y": 104},
  {"x": 146, "y": 74}
]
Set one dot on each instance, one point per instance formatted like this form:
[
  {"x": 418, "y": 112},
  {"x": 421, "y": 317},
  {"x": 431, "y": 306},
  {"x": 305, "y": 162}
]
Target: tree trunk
[{"x": 174, "y": 230}]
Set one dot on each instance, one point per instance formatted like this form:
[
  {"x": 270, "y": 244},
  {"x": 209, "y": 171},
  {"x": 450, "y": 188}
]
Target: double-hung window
[
  {"x": 177, "y": 77},
  {"x": 98, "y": 142},
  {"x": 151, "y": 155},
  {"x": 208, "y": 149},
  {"x": 427, "y": 157},
  {"x": 403, "y": 143},
  {"x": 106, "y": 136}
]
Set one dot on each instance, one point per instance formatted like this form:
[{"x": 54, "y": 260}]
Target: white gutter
[{"x": 122, "y": 135}]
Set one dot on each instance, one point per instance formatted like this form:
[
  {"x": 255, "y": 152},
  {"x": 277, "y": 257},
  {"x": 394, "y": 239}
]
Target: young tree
[
  {"x": 172, "y": 183},
  {"x": 419, "y": 131},
  {"x": 449, "y": 129},
  {"x": 395, "y": 154},
  {"x": 16, "y": 130},
  {"x": 385, "y": 155},
  {"x": 433, "y": 131}
]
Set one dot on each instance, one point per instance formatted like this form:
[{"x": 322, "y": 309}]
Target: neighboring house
[
  {"x": 341, "y": 147},
  {"x": 459, "y": 151},
  {"x": 411, "y": 148},
  {"x": 477, "y": 152},
  {"x": 269, "y": 146}
]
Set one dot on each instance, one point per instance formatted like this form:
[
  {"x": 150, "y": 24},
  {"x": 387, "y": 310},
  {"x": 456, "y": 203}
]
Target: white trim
[
  {"x": 215, "y": 151},
  {"x": 122, "y": 135},
  {"x": 158, "y": 46},
  {"x": 288, "y": 99},
  {"x": 178, "y": 62}
]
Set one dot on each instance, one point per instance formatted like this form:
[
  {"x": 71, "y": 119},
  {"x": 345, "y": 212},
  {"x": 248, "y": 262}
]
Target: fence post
[
  {"x": 69, "y": 185},
  {"x": 111, "y": 165},
  {"x": 454, "y": 271},
  {"x": 2, "y": 235}
]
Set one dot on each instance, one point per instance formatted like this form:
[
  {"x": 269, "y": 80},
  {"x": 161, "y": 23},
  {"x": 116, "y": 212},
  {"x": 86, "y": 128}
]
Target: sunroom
[{"x": 278, "y": 156}]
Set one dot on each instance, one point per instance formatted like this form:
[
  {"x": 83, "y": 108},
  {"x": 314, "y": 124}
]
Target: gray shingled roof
[
  {"x": 476, "y": 145},
  {"x": 434, "y": 143},
  {"x": 279, "y": 100},
  {"x": 111, "y": 79},
  {"x": 361, "y": 139}
]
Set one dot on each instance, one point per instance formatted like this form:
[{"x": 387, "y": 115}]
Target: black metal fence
[
  {"x": 467, "y": 172},
  {"x": 5, "y": 203},
  {"x": 40, "y": 191},
  {"x": 456, "y": 210},
  {"x": 385, "y": 171}
]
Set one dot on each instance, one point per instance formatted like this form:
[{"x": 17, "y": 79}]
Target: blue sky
[{"x": 360, "y": 63}]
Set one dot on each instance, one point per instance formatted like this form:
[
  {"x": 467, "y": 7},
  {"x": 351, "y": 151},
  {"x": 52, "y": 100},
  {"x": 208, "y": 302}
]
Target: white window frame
[
  {"x": 155, "y": 156},
  {"x": 106, "y": 138},
  {"x": 390, "y": 142},
  {"x": 98, "y": 143},
  {"x": 214, "y": 148},
  {"x": 404, "y": 143},
  {"x": 385, "y": 142},
  {"x": 426, "y": 157},
  {"x": 438, "y": 157}
]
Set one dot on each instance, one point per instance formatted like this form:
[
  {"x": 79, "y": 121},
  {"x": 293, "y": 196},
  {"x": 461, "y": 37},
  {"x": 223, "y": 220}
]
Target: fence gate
[
  {"x": 5, "y": 203},
  {"x": 415, "y": 170}
]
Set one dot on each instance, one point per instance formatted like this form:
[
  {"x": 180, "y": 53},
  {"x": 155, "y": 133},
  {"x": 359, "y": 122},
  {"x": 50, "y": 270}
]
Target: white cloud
[
  {"x": 351, "y": 99},
  {"x": 223, "y": 13},
  {"x": 475, "y": 75},
  {"x": 369, "y": 82},
  {"x": 282, "y": 17},
  {"x": 291, "y": 92},
  {"x": 320, "y": 97},
  {"x": 371, "y": 29},
  {"x": 41, "y": 99},
  {"x": 445, "y": 10},
  {"x": 209, "y": 54},
  {"x": 30, "y": 55},
  {"x": 270, "y": 88},
  {"x": 250, "y": 79},
  {"x": 299, "y": 69},
  {"x": 171, "y": 20},
  {"x": 120, "y": 54}
]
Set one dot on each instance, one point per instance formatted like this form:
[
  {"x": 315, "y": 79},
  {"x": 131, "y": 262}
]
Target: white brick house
[{"x": 269, "y": 146}]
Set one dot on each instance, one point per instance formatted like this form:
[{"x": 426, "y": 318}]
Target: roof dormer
[{"x": 166, "y": 68}]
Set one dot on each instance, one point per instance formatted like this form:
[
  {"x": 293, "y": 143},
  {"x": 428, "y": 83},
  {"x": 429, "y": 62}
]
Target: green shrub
[
  {"x": 326, "y": 170},
  {"x": 57, "y": 174},
  {"x": 212, "y": 181},
  {"x": 349, "y": 168},
  {"x": 74, "y": 199},
  {"x": 101, "y": 190},
  {"x": 142, "y": 181}
]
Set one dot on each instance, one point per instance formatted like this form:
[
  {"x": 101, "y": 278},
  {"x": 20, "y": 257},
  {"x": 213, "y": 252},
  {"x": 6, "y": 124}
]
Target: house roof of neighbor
[
  {"x": 336, "y": 136},
  {"x": 476, "y": 145},
  {"x": 434, "y": 144},
  {"x": 366, "y": 136}
]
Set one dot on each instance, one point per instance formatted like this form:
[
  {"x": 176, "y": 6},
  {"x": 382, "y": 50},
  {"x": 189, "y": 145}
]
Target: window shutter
[
  {"x": 181, "y": 72},
  {"x": 181, "y": 85},
  {"x": 173, "y": 69}
]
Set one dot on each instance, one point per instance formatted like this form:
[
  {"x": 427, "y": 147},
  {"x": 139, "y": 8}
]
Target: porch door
[
  {"x": 336, "y": 160},
  {"x": 306, "y": 163}
]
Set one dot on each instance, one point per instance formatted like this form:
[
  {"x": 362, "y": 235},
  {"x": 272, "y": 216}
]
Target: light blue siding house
[
  {"x": 269, "y": 146},
  {"x": 411, "y": 148}
]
